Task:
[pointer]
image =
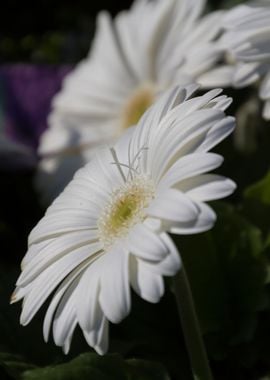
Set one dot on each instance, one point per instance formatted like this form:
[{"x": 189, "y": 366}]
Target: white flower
[
  {"x": 108, "y": 229},
  {"x": 133, "y": 58},
  {"x": 246, "y": 39}
]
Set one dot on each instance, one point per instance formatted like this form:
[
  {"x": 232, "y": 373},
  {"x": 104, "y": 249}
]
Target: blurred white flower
[
  {"x": 108, "y": 229},
  {"x": 246, "y": 39},
  {"x": 133, "y": 58}
]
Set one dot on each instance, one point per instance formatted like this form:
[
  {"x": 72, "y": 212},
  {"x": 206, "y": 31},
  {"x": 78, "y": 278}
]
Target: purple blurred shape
[{"x": 26, "y": 92}]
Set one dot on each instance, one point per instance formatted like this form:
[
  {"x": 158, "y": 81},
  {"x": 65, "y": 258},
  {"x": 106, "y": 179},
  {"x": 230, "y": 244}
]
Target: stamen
[
  {"x": 117, "y": 163},
  {"x": 137, "y": 156},
  {"x": 125, "y": 209},
  {"x": 130, "y": 165}
]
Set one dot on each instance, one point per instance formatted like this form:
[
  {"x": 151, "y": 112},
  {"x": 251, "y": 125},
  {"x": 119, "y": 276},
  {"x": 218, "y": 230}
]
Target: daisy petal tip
[
  {"x": 229, "y": 101},
  {"x": 113, "y": 315},
  {"x": 232, "y": 186},
  {"x": 23, "y": 321},
  {"x": 13, "y": 298},
  {"x": 191, "y": 88},
  {"x": 217, "y": 91},
  {"x": 100, "y": 350},
  {"x": 177, "y": 266},
  {"x": 66, "y": 348}
]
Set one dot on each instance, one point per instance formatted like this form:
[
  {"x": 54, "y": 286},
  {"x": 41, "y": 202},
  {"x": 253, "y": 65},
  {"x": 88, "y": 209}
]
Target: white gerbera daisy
[
  {"x": 246, "y": 39},
  {"x": 108, "y": 229},
  {"x": 133, "y": 58}
]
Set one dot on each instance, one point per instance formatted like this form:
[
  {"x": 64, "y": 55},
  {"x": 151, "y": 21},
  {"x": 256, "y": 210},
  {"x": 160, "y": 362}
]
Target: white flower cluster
[
  {"x": 134, "y": 58},
  {"x": 134, "y": 94},
  {"x": 247, "y": 41}
]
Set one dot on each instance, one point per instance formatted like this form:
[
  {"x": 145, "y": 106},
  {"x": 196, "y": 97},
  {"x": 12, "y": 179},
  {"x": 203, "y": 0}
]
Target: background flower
[
  {"x": 247, "y": 58},
  {"x": 133, "y": 59}
]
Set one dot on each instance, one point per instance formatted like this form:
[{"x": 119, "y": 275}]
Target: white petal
[
  {"x": 246, "y": 74},
  {"x": 217, "y": 134},
  {"x": 56, "y": 249},
  {"x": 110, "y": 44},
  {"x": 266, "y": 110},
  {"x": 207, "y": 187},
  {"x": 57, "y": 298},
  {"x": 19, "y": 293},
  {"x": 265, "y": 88},
  {"x": 174, "y": 206},
  {"x": 88, "y": 310},
  {"x": 99, "y": 339},
  {"x": 154, "y": 224},
  {"x": 221, "y": 102},
  {"x": 147, "y": 284},
  {"x": 67, "y": 343},
  {"x": 217, "y": 77},
  {"x": 190, "y": 166},
  {"x": 62, "y": 223},
  {"x": 172, "y": 262},
  {"x": 51, "y": 277},
  {"x": 103, "y": 338},
  {"x": 205, "y": 222},
  {"x": 183, "y": 137},
  {"x": 65, "y": 317},
  {"x": 114, "y": 286},
  {"x": 146, "y": 244}
]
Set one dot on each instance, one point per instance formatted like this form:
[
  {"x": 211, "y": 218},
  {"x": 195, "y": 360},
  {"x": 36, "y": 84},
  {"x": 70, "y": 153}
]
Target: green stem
[{"x": 191, "y": 328}]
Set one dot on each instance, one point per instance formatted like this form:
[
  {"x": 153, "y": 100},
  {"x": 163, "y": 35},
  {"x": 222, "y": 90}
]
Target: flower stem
[{"x": 191, "y": 328}]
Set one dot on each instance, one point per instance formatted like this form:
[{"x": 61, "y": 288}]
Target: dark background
[{"x": 49, "y": 31}]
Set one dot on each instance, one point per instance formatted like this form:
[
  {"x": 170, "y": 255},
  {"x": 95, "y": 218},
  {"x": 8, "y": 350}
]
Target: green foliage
[
  {"x": 13, "y": 365},
  {"x": 260, "y": 190},
  {"x": 94, "y": 367},
  {"x": 256, "y": 204},
  {"x": 227, "y": 268}
]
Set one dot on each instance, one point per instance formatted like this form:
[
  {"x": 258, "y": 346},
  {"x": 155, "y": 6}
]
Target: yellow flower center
[
  {"x": 137, "y": 104},
  {"x": 125, "y": 209}
]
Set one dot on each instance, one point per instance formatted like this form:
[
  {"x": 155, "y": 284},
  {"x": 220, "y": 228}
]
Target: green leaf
[
  {"x": 6, "y": 373},
  {"x": 144, "y": 370},
  {"x": 260, "y": 190},
  {"x": 84, "y": 366},
  {"x": 256, "y": 205},
  {"x": 13, "y": 364},
  {"x": 205, "y": 275},
  {"x": 241, "y": 252},
  {"x": 94, "y": 367},
  {"x": 153, "y": 332},
  {"x": 227, "y": 270}
]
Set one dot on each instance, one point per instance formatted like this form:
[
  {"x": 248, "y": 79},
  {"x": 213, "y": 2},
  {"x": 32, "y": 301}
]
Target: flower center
[
  {"x": 229, "y": 58},
  {"x": 125, "y": 209},
  {"x": 137, "y": 104}
]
